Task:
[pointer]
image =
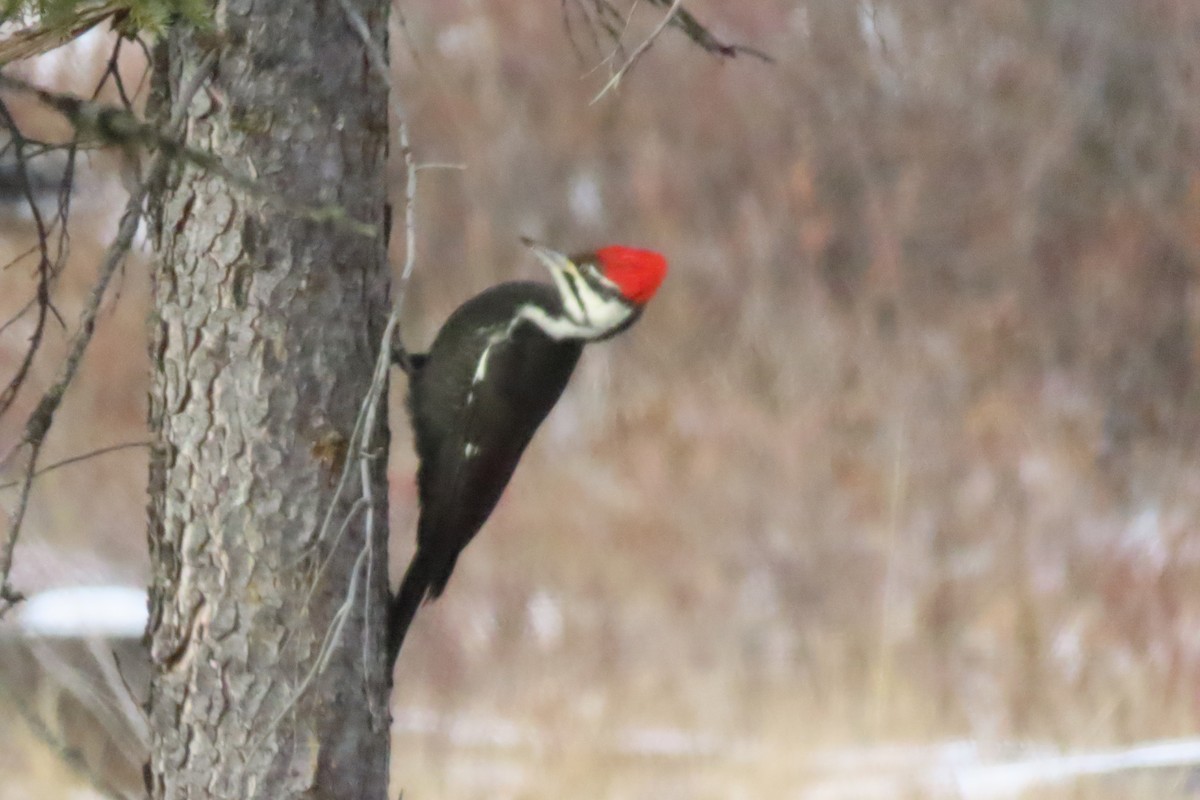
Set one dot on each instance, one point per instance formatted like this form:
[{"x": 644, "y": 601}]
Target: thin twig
[
  {"x": 17, "y": 259},
  {"x": 78, "y": 682},
  {"x": 612, "y": 21},
  {"x": 379, "y": 382},
  {"x": 47, "y": 268},
  {"x": 642, "y": 48},
  {"x": 383, "y": 362},
  {"x": 76, "y": 459},
  {"x": 566, "y": 18},
  {"x": 319, "y": 575},
  {"x": 44, "y": 269},
  {"x": 333, "y": 635},
  {"x": 21, "y": 312},
  {"x": 379, "y": 63},
  {"x": 364, "y": 425},
  {"x": 67, "y": 754},
  {"x": 618, "y": 42},
  {"x": 410, "y": 226},
  {"x": 402, "y": 24},
  {"x": 43, "y": 415},
  {"x": 37, "y": 39},
  {"x": 703, "y": 37},
  {"x": 607, "y": 17},
  {"x": 590, "y": 25},
  {"x": 110, "y": 125},
  {"x": 9, "y": 596},
  {"x": 424, "y": 165}
]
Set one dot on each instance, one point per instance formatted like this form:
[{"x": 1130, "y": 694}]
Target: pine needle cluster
[{"x": 130, "y": 16}]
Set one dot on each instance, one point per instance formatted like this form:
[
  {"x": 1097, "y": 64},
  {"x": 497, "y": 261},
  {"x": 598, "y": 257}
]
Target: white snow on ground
[
  {"x": 958, "y": 770},
  {"x": 460, "y": 730},
  {"x": 1010, "y": 779},
  {"x": 954, "y": 770},
  {"x": 85, "y": 611},
  {"x": 968, "y": 771}
]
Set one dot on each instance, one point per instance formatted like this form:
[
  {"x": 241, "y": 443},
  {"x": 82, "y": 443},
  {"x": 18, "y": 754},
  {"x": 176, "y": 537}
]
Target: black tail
[{"x": 413, "y": 589}]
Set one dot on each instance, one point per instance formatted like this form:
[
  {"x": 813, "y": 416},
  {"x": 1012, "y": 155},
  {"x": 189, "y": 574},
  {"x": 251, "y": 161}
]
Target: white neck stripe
[{"x": 615, "y": 314}]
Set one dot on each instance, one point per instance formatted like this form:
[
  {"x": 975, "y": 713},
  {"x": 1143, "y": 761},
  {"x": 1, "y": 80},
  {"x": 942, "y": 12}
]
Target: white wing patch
[
  {"x": 471, "y": 450},
  {"x": 481, "y": 367}
]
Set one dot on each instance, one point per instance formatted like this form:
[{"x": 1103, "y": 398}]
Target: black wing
[{"x": 471, "y": 463}]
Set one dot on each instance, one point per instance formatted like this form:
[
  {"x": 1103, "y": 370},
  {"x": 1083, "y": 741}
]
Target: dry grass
[{"x": 906, "y": 449}]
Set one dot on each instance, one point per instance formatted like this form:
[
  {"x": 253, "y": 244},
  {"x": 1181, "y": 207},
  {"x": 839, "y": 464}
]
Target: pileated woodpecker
[{"x": 495, "y": 370}]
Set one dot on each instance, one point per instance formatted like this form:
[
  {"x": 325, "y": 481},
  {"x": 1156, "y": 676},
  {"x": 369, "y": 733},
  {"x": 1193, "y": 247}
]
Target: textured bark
[{"x": 265, "y": 329}]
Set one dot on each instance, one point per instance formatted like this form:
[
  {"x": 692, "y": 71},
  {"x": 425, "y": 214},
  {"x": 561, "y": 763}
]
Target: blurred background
[{"x": 900, "y": 473}]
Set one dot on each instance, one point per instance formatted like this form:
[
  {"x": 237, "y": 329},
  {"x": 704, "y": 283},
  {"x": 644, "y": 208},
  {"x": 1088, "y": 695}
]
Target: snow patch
[{"x": 85, "y": 611}]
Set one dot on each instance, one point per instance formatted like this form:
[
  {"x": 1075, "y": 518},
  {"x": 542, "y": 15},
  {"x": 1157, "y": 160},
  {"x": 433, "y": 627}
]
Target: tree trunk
[{"x": 265, "y": 329}]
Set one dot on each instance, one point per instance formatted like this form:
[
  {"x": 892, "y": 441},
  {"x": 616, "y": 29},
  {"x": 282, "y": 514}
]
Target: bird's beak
[
  {"x": 565, "y": 274},
  {"x": 556, "y": 262}
]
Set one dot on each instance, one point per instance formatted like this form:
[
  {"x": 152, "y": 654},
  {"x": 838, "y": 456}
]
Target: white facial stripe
[
  {"x": 594, "y": 274},
  {"x": 588, "y": 312},
  {"x": 577, "y": 300},
  {"x": 563, "y": 272},
  {"x": 604, "y": 311},
  {"x": 560, "y": 328},
  {"x": 571, "y": 304},
  {"x": 586, "y": 307}
]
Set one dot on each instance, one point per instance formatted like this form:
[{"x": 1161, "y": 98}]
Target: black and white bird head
[{"x": 602, "y": 293}]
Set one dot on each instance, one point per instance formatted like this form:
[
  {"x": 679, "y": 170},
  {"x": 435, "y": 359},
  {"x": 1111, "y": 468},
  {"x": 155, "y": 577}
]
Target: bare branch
[
  {"x": 36, "y": 40},
  {"x": 9, "y": 596},
  {"x": 67, "y": 754},
  {"x": 618, "y": 48},
  {"x": 700, "y": 35},
  {"x": 111, "y": 71},
  {"x": 42, "y": 417},
  {"x": 402, "y": 24},
  {"x": 100, "y": 451},
  {"x": 589, "y": 25},
  {"x": 379, "y": 382},
  {"x": 44, "y": 269},
  {"x": 608, "y": 18},
  {"x": 333, "y": 635},
  {"x": 109, "y": 125},
  {"x": 615, "y": 80},
  {"x": 613, "y": 21}
]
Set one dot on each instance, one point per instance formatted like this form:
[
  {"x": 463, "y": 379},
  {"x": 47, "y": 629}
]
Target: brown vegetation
[{"x": 906, "y": 447}]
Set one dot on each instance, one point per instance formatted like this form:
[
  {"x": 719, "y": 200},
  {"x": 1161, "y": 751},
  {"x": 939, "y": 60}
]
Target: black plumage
[{"x": 476, "y": 399}]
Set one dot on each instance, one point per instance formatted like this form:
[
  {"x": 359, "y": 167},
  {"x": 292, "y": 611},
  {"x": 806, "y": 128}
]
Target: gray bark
[{"x": 265, "y": 329}]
